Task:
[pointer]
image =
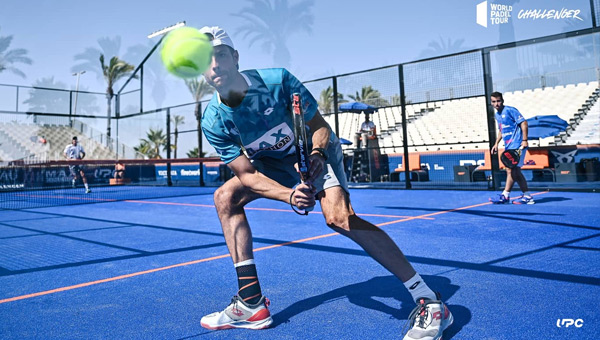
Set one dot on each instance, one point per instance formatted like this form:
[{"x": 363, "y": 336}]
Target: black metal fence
[{"x": 435, "y": 125}]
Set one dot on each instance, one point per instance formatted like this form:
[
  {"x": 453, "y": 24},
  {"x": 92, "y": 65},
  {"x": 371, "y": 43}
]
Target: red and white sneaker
[
  {"x": 240, "y": 315},
  {"x": 429, "y": 320}
]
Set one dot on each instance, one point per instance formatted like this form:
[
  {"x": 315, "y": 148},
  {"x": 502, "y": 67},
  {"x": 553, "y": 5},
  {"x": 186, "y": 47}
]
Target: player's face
[
  {"x": 223, "y": 68},
  {"x": 497, "y": 103},
  {"x": 74, "y": 142}
]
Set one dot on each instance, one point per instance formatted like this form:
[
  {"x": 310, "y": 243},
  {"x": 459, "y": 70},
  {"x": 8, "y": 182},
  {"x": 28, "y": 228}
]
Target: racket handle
[{"x": 309, "y": 209}]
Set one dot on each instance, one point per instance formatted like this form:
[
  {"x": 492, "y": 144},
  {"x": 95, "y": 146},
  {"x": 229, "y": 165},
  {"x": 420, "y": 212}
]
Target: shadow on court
[
  {"x": 551, "y": 199},
  {"x": 364, "y": 295},
  {"x": 512, "y": 215}
]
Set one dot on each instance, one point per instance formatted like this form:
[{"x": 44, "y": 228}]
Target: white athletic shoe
[
  {"x": 429, "y": 320},
  {"x": 240, "y": 315}
]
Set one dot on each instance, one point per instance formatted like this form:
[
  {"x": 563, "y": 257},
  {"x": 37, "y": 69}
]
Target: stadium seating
[
  {"x": 461, "y": 124},
  {"x": 23, "y": 141}
]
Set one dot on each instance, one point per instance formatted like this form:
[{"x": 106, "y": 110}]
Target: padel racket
[
  {"x": 510, "y": 158},
  {"x": 300, "y": 140}
]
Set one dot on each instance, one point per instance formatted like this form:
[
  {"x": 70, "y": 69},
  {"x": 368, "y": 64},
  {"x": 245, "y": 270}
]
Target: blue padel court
[{"x": 151, "y": 268}]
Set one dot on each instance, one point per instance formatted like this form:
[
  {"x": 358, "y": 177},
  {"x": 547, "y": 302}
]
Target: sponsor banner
[{"x": 180, "y": 173}]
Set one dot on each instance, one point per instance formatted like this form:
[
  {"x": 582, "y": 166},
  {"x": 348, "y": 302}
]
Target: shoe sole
[
  {"x": 443, "y": 327},
  {"x": 241, "y": 324}
]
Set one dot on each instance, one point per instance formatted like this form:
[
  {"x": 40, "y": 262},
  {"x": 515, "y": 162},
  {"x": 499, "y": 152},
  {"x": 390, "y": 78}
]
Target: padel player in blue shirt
[
  {"x": 512, "y": 128},
  {"x": 249, "y": 123}
]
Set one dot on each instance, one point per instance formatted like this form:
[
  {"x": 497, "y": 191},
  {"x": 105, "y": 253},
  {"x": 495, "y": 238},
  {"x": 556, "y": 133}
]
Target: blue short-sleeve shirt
[
  {"x": 508, "y": 123},
  {"x": 262, "y": 125}
]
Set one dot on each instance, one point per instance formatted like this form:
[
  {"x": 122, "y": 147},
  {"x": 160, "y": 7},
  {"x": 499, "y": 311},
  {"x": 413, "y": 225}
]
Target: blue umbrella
[
  {"x": 344, "y": 141},
  {"x": 545, "y": 126},
  {"x": 357, "y": 107}
]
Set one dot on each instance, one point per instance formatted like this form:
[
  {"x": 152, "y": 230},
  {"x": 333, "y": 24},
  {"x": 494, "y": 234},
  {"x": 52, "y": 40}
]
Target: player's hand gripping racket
[
  {"x": 301, "y": 144},
  {"x": 510, "y": 158}
]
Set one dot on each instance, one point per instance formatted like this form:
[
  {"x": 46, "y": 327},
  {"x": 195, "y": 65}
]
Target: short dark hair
[
  {"x": 75, "y": 138},
  {"x": 497, "y": 95}
]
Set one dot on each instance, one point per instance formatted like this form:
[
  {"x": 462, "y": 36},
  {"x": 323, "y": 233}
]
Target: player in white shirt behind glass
[{"x": 74, "y": 151}]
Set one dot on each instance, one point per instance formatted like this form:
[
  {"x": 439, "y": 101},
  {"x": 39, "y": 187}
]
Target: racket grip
[{"x": 309, "y": 209}]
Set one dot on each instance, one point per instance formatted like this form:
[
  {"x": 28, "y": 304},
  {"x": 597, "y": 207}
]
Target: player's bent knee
[
  {"x": 230, "y": 198},
  {"x": 338, "y": 221},
  {"x": 223, "y": 198}
]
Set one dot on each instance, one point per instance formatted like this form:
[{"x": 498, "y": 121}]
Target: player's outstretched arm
[{"x": 303, "y": 197}]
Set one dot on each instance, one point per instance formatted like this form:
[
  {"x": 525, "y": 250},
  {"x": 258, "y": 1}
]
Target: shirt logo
[
  {"x": 269, "y": 111},
  {"x": 278, "y": 138}
]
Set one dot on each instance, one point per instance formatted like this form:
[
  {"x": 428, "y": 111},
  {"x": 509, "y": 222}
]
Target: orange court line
[
  {"x": 263, "y": 209},
  {"x": 199, "y": 205},
  {"x": 120, "y": 277}
]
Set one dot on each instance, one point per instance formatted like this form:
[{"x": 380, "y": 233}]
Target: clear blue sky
[{"x": 346, "y": 36}]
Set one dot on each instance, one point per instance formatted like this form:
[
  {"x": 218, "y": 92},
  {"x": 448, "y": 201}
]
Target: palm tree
[
  {"x": 153, "y": 143},
  {"x": 199, "y": 88},
  {"x": 443, "y": 47},
  {"x": 194, "y": 153},
  {"x": 157, "y": 140},
  {"x": 47, "y": 101},
  {"x": 143, "y": 149},
  {"x": 89, "y": 58},
  {"x": 369, "y": 95},
  {"x": 176, "y": 120},
  {"x": 326, "y": 100},
  {"x": 272, "y": 23},
  {"x": 115, "y": 70},
  {"x": 9, "y": 57}
]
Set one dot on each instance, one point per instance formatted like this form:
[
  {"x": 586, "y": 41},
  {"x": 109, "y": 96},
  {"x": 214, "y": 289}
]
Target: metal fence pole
[
  {"x": 335, "y": 107},
  {"x": 404, "y": 127},
  {"x": 169, "y": 181},
  {"x": 198, "y": 114},
  {"x": 488, "y": 89}
]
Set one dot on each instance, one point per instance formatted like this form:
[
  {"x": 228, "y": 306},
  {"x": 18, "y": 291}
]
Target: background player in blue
[
  {"x": 512, "y": 128},
  {"x": 249, "y": 123}
]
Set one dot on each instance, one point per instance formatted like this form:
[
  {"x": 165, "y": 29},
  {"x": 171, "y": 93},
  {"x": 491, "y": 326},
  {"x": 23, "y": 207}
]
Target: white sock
[
  {"x": 244, "y": 263},
  {"x": 526, "y": 194},
  {"x": 506, "y": 193},
  {"x": 86, "y": 186},
  {"x": 419, "y": 289}
]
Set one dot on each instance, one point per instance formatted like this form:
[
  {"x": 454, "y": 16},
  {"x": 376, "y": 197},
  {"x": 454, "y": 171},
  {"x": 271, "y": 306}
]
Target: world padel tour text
[{"x": 499, "y": 14}]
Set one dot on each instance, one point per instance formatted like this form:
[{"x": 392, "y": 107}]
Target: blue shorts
[{"x": 283, "y": 171}]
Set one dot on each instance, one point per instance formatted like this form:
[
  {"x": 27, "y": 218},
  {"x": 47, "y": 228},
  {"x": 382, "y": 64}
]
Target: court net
[{"x": 56, "y": 183}]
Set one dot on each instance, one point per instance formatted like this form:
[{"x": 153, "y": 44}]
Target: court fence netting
[{"x": 435, "y": 124}]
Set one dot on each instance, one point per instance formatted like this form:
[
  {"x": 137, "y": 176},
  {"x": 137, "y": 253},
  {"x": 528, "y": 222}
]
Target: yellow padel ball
[{"x": 186, "y": 53}]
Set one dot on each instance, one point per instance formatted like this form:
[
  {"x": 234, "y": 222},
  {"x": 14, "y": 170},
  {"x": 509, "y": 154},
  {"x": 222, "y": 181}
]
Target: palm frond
[{"x": 5, "y": 43}]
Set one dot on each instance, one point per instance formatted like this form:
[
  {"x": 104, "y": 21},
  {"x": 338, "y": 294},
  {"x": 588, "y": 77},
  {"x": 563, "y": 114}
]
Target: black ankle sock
[{"x": 249, "y": 288}]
